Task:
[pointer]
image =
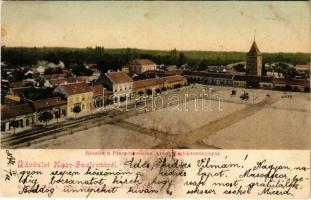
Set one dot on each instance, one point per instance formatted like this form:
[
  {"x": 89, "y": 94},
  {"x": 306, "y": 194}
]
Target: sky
[{"x": 212, "y": 26}]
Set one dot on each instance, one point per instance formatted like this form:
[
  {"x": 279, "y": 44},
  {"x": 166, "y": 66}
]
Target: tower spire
[{"x": 254, "y": 35}]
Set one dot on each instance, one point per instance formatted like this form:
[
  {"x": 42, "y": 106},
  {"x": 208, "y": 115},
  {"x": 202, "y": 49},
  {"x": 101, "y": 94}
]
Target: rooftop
[
  {"x": 254, "y": 49},
  {"x": 156, "y": 81},
  {"x": 108, "y": 92},
  {"x": 305, "y": 67},
  {"x": 172, "y": 78},
  {"x": 147, "y": 82},
  {"x": 291, "y": 82},
  {"x": 16, "y": 110},
  {"x": 23, "y": 83},
  {"x": 54, "y": 76},
  {"x": 118, "y": 77},
  {"x": 56, "y": 82},
  {"x": 98, "y": 90},
  {"x": 76, "y": 88},
  {"x": 235, "y": 77},
  {"x": 252, "y": 78},
  {"x": 208, "y": 74},
  {"x": 141, "y": 62},
  {"x": 48, "y": 103}
]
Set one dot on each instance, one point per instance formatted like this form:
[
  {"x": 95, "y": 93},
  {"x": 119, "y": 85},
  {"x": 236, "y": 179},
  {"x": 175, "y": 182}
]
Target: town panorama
[{"x": 149, "y": 102}]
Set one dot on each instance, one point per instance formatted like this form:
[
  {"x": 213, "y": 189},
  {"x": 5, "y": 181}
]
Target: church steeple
[
  {"x": 254, "y": 48},
  {"x": 254, "y": 60}
]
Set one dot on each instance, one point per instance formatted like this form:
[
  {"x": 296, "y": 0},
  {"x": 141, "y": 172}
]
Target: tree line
[{"x": 116, "y": 58}]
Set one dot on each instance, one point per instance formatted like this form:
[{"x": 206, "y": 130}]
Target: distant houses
[
  {"x": 138, "y": 66},
  {"x": 56, "y": 106},
  {"x": 263, "y": 82},
  {"x": 119, "y": 83},
  {"x": 233, "y": 80},
  {"x": 157, "y": 85},
  {"x": 71, "y": 93},
  {"x": 252, "y": 77},
  {"x": 303, "y": 68},
  {"x": 78, "y": 95},
  {"x": 24, "y": 115},
  {"x": 67, "y": 98},
  {"x": 17, "y": 116},
  {"x": 70, "y": 96}
]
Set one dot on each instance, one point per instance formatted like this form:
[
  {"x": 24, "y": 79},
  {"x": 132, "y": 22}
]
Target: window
[
  {"x": 82, "y": 106},
  {"x": 64, "y": 112},
  {"x": 27, "y": 122},
  {"x": 83, "y": 97}
]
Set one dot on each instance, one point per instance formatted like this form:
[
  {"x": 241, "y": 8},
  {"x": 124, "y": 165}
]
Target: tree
[
  {"x": 287, "y": 70},
  {"x": 291, "y": 72},
  {"x": 239, "y": 68},
  {"x": 280, "y": 67},
  {"x": 46, "y": 117},
  {"x": 18, "y": 75},
  {"x": 203, "y": 65},
  {"x": 149, "y": 92},
  {"x": 81, "y": 70},
  {"x": 14, "y": 124},
  {"x": 264, "y": 70},
  {"x": 173, "y": 52},
  {"x": 56, "y": 70},
  {"x": 38, "y": 93},
  {"x": 173, "y": 59},
  {"x": 77, "y": 109},
  {"x": 181, "y": 59},
  {"x": 109, "y": 102},
  {"x": 116, "y": 58}
]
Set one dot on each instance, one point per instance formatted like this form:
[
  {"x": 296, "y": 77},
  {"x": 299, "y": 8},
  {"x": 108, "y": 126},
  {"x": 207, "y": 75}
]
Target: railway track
[{"x": 24, "y": 139}]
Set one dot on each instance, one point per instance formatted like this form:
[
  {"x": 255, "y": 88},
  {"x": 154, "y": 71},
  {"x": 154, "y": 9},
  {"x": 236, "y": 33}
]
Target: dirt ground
[
  {"x": 284, "y": 125},
  {"x": 185, "y": 117},
  {"x": 281, "y": 121},
  {"x": 103, "y": 137}
]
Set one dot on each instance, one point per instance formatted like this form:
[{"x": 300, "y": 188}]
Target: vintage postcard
[{"x": 155, "y": 99}]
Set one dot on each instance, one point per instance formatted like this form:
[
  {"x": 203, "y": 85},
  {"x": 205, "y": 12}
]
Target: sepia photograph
[{"x": 155, "y": 75}]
